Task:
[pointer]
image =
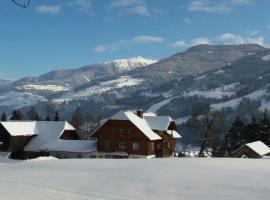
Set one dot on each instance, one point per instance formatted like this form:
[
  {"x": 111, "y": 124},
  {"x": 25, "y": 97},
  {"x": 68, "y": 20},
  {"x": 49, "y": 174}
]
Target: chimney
[{"x": 139, "y": 113}]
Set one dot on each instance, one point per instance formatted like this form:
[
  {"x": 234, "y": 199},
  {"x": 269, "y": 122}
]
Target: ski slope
[{"x": 138, "y": 179}]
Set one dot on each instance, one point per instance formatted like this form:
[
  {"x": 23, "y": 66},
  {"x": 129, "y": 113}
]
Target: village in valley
[
  {"x": 134, "y": 100},
  {"x": 126, "y": 134}
]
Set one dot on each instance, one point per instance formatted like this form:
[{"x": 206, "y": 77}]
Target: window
[
  {"x": 122, "y": 146},
  {"x": 122, "y": 131},
  {"x": 159, "y": 146},
  {"x": 108, "y": 144},
  {"x": 136, "y": 146},
  {"x": 152, "y": 146},
  {"x": 113, "y": 130},
  {"x": 167, "y": 145},
  {"x": 129, "y": 131}
]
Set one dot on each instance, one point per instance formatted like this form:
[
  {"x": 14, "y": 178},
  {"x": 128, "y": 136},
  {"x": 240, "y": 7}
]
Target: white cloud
[
  {"x": 206, "y": 6},
  {"x": 49, "y": 9},
  {"x": 231, "y": 39},
  {"x": 4, "y": 76},
  {"x": 220, "y": 7},
  {"x": 180, "y": 44},
  {"x": 138, "y": 7},
  {"x": 187, "y": 21},
  {"x": 241, "y": 2},
  {"x": 198, "y": 41},
  {"x": 83, "y": 6},
  {"x": 146, "y": 39},
  {"x": 227, "y": 39},
  {"x": 142, "y": 39}
]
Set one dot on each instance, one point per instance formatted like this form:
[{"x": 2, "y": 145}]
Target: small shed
[{"x": 252, "y": 150}]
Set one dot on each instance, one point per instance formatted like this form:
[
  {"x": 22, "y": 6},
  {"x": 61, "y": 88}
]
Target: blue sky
[{"x": 63, "y": 34}]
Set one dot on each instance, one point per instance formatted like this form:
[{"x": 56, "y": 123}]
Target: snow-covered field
[{"x": 138, "y": 179}]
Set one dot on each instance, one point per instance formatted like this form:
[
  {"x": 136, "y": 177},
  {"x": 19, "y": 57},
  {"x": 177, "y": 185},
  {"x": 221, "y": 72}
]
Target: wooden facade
[{"x": 124, "y": 136}]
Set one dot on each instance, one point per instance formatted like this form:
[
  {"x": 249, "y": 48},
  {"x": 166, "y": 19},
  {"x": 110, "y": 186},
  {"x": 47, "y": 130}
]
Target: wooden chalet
[
  {"x": 136, "y": 134},
  {"x": 252, "y": 150},
  {"x": 30, "y": 139}
]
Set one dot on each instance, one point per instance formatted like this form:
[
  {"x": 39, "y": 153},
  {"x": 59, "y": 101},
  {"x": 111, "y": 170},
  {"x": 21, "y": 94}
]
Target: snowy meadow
[{"x": 133, "y": 179}]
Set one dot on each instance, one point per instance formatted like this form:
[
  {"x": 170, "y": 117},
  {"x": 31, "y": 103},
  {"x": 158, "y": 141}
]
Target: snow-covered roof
[
  {"x": 147, "y": 124},
  {"x": 46, "y": 133},
  {"x": 20, "y": 128},
  {"x": 174, "y": 133},
  {"x": 259, "y": 147},
  {"x": 70, "y": 146},
  {"x": 158, "y": 122},
  {"x": 138, "y": 122}
]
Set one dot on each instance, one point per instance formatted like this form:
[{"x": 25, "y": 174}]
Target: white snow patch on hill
[
  {"x": 219, "y": 72},
  {"x": 123, "y": 81},
  {"x": 266, "y": 58},
  {"x": 19, "y": 99},
  {"x": 154, "y": 108},
  {"x": 216, "y": 93},
  {"x": 53, "y": 88},
  {"x": 235, "y": 102},
  {"x": 181, "y": 120},
  {"x": 201, "y": 77},
  {"x": 105, "y": 179}
]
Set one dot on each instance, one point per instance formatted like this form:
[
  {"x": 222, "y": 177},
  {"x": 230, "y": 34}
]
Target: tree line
[
  {"x": 209, "y": 124},
  {"x": 242, "y": 133},
  {"x": 82, "y": 122}
]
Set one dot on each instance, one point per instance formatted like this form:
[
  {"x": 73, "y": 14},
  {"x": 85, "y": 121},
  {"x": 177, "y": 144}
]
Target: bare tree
[
  {"x": 208, "y": 123},
  {"x": 22, "y": 5}
]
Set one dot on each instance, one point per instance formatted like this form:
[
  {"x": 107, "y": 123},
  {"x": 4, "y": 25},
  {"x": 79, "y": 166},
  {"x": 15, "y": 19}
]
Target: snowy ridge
[{"x": 130, "y": 63}]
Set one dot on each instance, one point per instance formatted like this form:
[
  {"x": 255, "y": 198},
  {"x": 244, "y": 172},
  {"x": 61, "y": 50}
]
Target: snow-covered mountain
[
  {"x": 73, "y": 78},
  {"x": 124, "y": 65}
]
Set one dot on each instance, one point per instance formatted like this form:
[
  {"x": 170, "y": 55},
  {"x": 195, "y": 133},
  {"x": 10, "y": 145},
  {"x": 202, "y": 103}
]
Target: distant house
[
  {"x": 30, "y": 139},
  {"x": 252, "y": 150},
  {"x": 136, "y": 134}
]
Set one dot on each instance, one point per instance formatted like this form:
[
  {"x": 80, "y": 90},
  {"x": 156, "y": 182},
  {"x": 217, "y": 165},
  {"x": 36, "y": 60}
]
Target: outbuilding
[{"x": 252, "y": 150}]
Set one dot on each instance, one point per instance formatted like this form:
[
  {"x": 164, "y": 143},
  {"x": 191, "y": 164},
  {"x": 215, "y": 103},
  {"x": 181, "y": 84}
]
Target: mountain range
[{"x": 231, "y": 78}]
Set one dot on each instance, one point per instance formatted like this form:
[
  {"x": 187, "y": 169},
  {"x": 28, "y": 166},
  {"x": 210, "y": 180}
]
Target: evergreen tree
[
  {"x": 77, "y": 119},
  {"x": 32, "y": 114},
  {"x": 48, "y": 118},
  {"x": 235, "y": 136},
  {"x": 264, "y": 134},
  {"x": 3, "y": 117},
  {"x": 56, "y": 116},
  {"x": 16, "y": 115},
  {"x": 252, "y": 131}
]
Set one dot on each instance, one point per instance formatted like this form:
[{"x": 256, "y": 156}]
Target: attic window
[{"x": 129, "y": 131}]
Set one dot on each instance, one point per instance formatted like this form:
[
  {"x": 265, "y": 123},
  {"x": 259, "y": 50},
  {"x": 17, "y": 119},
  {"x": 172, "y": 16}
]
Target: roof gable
[
  {"x": 259, "y": 147},
  {"x": 158, "y": 122},
  {"x": 140, "y": 123},
  {"x": 20, "y": 128},
  {"x": 47, "y": 132}
]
